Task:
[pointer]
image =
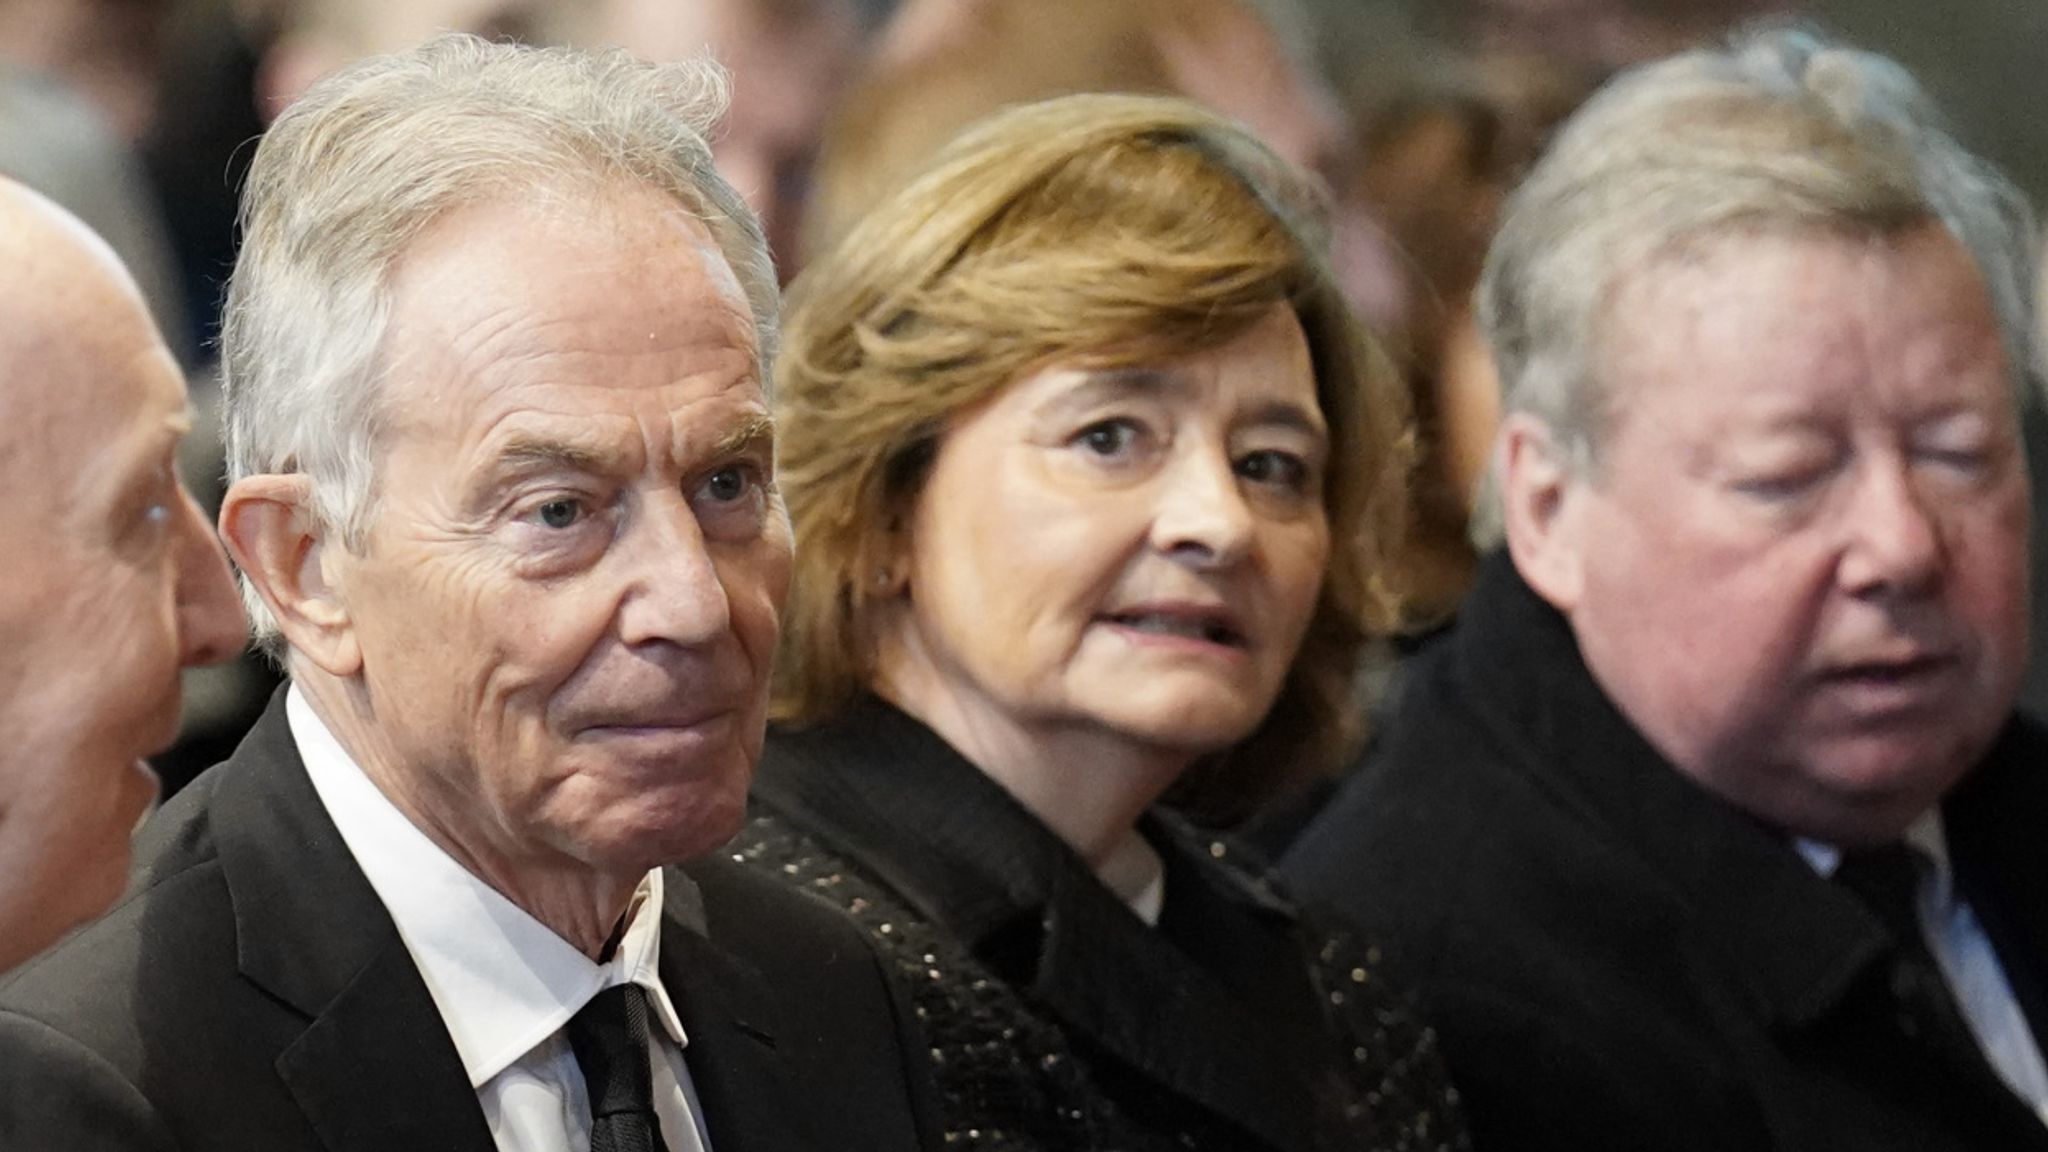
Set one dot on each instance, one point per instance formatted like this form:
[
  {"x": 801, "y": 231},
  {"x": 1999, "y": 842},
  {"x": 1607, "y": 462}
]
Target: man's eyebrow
[
  {"x": 756, "y": 431},
  {"x": 531, "y": 454}
]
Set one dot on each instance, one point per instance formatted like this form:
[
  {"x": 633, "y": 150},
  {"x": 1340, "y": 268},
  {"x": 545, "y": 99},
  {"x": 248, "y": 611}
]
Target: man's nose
[
  {"x": 1895, "y": 546},
  {"x": 1202, "y": 517},
  {"x": 673, "y": 590},
  {"x": 211, "y": 627}
]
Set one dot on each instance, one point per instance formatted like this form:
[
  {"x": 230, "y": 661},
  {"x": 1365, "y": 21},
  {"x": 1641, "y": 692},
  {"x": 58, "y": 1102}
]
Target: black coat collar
[
  {"x": 1799, "y": 941},
  {"x": 1217, "y": 1012}
]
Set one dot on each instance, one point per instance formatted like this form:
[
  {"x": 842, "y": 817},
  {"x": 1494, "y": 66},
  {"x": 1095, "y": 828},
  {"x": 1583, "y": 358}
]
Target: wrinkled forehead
[{"x": 535, "y": 295}]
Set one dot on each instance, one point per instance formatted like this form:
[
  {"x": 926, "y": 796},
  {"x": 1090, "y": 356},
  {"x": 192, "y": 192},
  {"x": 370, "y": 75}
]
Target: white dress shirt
[
  {"x": 1968, "y": 962},
  {"x": 505, "y": 984}
]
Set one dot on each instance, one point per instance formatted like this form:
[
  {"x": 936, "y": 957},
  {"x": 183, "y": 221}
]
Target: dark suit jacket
[
  {"x": 1617, "y": 959},
  {"x": 1057, "y": 1019},
  {"x": 251, "y": 993}
]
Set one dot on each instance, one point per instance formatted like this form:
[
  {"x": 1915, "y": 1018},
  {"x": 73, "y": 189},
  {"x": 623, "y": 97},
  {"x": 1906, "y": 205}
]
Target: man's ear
[
  {"x": 1540, "y": 509},
  {"x": 275, "y": 537}
]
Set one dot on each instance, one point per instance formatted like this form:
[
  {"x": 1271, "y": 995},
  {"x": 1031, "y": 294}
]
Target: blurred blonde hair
[{"x": 1108, "y": 230}]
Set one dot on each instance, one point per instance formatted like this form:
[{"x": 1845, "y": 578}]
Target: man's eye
[
  {"x": 1964, "y": 461},
  {"x": 729, "y": 484},
  {"x": 1778, "y": 489},
  {"x": 559, "y": 514}
]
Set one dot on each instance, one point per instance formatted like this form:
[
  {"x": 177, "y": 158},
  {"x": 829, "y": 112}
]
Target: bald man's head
[{"x": 112, "y": 579}]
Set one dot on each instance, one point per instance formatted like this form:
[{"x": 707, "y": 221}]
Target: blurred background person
[
  {"x": 944, "y": 64},
  {"x": 78, "y": 86},
  {"x": 109, "y": 51},
  {"x": 54, "y": 140},
  {"x": 1435, "y": 164},
  {"x": 311, "y": 38},
  {"x": 113, "y": 583},
  {"x": 1714, "y": 827},
  {"x": 789, "y": 61},
  {"x": 1606, "y": 34},
  {"x": 1092, "y": 475}
]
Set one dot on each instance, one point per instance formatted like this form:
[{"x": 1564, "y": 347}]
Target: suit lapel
[
  {"x": 728, "y": 1013},
  {"x": 374, "y": 1069}
]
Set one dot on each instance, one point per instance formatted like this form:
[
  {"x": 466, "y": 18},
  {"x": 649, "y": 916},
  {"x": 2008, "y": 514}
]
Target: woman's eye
[
  {"x": 1108, "y": 438},
  {"x": 1275, "y": 468},
  {"x": 558, "y": 514}
]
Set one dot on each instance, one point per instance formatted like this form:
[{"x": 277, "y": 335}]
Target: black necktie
[
  {"x": 609, "y": 1037},
  {"x": 1887, "y": 880}
]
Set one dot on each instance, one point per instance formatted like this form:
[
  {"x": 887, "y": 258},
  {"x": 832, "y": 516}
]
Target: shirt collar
[
  {"x": 1925, "y": 836},
  {"x": 503, "y": 981}
]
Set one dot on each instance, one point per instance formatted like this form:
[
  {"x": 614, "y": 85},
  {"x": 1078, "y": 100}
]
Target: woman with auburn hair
[{"x": 1091, "y": 471}]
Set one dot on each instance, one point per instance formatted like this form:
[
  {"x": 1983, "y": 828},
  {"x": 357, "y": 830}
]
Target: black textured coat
[
  {"x": 1617, "y": 959},
  {"x": 1057, "y": 1019},
  {"x": 251, "y": 994}
]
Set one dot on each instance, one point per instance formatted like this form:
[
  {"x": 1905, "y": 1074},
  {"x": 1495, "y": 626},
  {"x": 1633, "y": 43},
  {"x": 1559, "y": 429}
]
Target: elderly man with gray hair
[
  {"x": 1712, "y": 826},
  {"x": 502, "y": 497}
]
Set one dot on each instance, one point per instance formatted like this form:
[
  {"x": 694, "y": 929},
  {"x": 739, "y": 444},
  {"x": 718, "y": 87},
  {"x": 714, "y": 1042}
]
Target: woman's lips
[{"x": 1199, "y": 629}]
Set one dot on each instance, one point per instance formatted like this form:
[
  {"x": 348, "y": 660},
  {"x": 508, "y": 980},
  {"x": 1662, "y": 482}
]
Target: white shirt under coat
[
  {"x": 506, "y": 984},
  {"x": 1967, "y": 960}
]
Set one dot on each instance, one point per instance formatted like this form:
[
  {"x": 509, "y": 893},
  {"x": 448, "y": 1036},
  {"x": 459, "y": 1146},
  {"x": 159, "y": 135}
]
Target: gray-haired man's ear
[
  {"x": 271, "y": 531},
  {"x": 1539, "y": 512}
]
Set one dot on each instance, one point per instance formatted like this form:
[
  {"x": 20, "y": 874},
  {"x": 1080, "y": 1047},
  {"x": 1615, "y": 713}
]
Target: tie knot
[
  {"x": 609, "y": 1037},
  {"x": 1887, "y": 880}
]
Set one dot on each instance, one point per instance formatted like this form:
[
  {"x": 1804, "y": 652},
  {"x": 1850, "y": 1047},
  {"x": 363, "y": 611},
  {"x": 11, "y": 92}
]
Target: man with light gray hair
[
  {"x": 502, "y": 499},
  {"x": 1712, "y": 825}
]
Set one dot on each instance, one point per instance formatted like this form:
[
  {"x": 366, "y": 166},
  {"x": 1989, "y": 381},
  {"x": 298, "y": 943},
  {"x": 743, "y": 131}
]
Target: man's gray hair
[
  {"x": 1782, "y": 130},
  {"x": 368, "y": 159}
]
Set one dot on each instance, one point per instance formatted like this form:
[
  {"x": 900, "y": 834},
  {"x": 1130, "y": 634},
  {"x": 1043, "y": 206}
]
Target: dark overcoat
[
  {"x": 1058, "y": 1019},
  {"x": 1617, "y": 959}
]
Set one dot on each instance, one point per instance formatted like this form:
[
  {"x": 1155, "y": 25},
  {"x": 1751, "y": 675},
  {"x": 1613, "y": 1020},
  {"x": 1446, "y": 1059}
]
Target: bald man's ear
[
  {"x": 1540, "y": 510},
  {"x": 271, "y": 530}
]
